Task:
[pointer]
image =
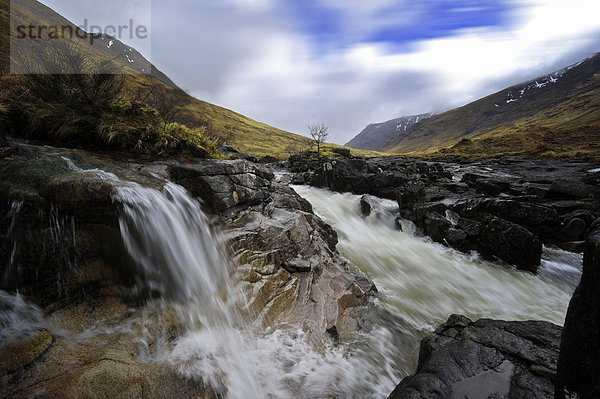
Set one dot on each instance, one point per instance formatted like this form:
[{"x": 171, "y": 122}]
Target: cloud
[{"x": 349, "y": 63}]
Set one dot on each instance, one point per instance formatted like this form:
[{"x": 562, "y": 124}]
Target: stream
[{"x": 420, "y": 284}]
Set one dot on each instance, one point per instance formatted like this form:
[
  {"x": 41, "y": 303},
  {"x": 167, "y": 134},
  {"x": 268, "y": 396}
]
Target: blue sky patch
[{"x": 417, "y": 20}]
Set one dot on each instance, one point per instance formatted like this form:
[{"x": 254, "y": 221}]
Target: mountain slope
[
  {"x": 377, "y": 135},
  {"x": 566, "y": 101},
  {"x": 221, "y": 124}
]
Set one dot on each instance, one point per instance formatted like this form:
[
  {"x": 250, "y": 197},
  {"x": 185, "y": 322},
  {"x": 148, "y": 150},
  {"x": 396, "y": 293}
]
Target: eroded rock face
[
  {"x": 485, "y": 359},
  {"x": 579, "y": 363},
  {"x": 287, "y": 255}
]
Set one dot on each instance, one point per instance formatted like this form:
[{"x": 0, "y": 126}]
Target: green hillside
[
  {"x": 154, "y": 90},
  {"x": 554, "y": 115}
]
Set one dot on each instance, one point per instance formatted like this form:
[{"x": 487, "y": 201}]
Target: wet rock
[
  {"x": 345, "y": 152},
  {"x": 579, "y": 362},
  {"x": 293, "y": 272},
  {"x": 224, "y": 186},
  {"x": 455, "y": 237},
  {"x": 436, "y": 226},
  {"x": 510, "y": 242},
  {"x": 572, "y": 246},
  {"x": 18, "y": 353},
  {"x": 539, "y": 219},
  {"x": 100, "y": 362},
  {"x": 569, "y": 188},
  {"x": 410, "y": 194},
  {"x": 483, "y": 359},
  {"x": 87, "y": 197},
  {"x": 56, "y": 223},
  {"x": 367, "y": 204},
  {"x": 573, "y": 230}
]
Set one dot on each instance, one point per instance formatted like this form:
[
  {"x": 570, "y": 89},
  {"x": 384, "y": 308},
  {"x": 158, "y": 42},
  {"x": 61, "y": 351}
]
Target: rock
[
  {"x": 21, "y": 352},
  {"x": 370, "y": 205},
  {"x": 226, "y": 148},
  {"x": 572, "y": 246},
  {"x": 569, "y": 188},
  {"x": 224, "y": 186},
  {"x": 292, "y": 271},
  {"x": 398, "y": 223},
  {"x": 455, "y": 237},
  {"x": 539, "y": 219},
  {"x": 345, "y": 152},
  {"x": 585, "y": 215},
  {"x": 573, "y": 230},
  {"x": 436, "y": 226},
  {"x": 267, "y": 159},
  {"x": 563, "y": 207},
  {"x": 485, "y": 359},
  {"x": 579, "y": 362},
  {"x": 87, "y": 197},
  {"x": 367, "y": 204},
  {"x": 511, "y": 243},
  {"x": 357, "y": 176},
  {"x": 410, "y": 194}
]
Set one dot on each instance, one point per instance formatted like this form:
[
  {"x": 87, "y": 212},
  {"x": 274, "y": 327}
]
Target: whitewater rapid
[{"x": 185, "y": 263}]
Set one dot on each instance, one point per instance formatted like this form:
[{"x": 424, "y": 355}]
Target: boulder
[
  {"x": 436, "y": 226},
  {"x": 345, "y": 152},
  {"x": 570, "y": 188},
  {"x": 224, "y": 186},
  {"x": 367, "y": 204},
  {"x": 539, "y": 219},
  {"x": 267, "y": 159},
  {"x": 485, "y": 359},
  {"x": 511, "y": 243},
  {"x": 579, "y": 361}
]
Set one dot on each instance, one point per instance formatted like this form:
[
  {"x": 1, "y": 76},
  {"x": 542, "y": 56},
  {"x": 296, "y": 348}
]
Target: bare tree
[{"x": 319, "y": 134}]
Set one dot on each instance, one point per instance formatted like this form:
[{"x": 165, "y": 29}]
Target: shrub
[{"x": 93, "y": 109}]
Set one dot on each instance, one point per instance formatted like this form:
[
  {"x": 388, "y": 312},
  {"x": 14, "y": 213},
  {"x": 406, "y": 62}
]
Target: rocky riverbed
[
  {"x": 116, "y": 282},
  {"x": 507, "y": 210}
]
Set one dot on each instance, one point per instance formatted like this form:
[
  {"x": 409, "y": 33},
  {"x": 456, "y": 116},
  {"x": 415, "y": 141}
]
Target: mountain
[
  {"x": 553, "y": 115},
  {"x": 377, "y": 135},
  {"x": 220, "y": 124}
]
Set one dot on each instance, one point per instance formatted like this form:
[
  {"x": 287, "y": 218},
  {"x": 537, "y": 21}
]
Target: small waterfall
[
  {"x": 167, "y": 235},
  {"x": 11, "y": 270},
  {"x": 177, "y": 255},
  {"x": 17, "y": 317}
]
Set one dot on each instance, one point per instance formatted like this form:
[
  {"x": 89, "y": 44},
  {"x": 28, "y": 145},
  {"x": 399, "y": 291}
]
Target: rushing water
[
  {"x": 422, "y": 283},
  {"x": 166, "y": 234}
]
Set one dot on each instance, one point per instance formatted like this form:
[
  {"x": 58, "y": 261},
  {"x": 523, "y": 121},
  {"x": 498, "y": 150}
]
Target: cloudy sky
[{"x": 348, "y": 63}]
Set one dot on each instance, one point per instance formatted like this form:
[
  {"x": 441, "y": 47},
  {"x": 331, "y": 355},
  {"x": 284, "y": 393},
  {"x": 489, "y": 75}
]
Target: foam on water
[
  {"x": 423, "y": 282},
  {"x": 178, "y": 255}
]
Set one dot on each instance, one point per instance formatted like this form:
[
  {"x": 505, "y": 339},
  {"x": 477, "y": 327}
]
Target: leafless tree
[{"x": 319, "y": 134}]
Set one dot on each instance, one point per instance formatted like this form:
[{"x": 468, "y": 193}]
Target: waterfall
[
  {"x": 167, "y": 235},
  {"x": 178, "y": 256}
]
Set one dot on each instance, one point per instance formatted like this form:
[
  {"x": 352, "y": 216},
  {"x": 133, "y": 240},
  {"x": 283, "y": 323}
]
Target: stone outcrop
[
  {"x": 579, "y": 362},
  {"x": 287, "y": 255},
  {"x": 485, "y": 359},
  {"x": 510, "y": 242}
]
